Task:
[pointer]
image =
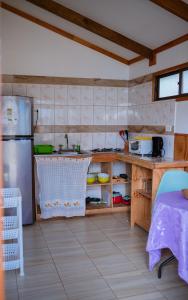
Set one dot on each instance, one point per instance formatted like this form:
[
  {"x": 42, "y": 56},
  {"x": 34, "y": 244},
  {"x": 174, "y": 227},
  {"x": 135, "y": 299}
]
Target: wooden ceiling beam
[
  {"x": 136, "y": 59},
  {"x": 64, "y": 33},
  {"x": 171, "y": 44},
  {"x": 162, "y": 48},
  {"x": 99, "y": 29},
  {"x": 176, "y": 7}
]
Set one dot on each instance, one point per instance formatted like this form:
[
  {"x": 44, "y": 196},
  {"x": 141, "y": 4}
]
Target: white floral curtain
[{"x": 62, "y": 185}]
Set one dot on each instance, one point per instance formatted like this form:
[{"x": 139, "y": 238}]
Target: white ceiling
[{"x": 140, "y": 20}]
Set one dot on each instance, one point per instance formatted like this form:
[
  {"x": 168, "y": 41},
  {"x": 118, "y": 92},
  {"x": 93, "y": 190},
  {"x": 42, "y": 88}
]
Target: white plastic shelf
[{"x": 12, "y": 234}]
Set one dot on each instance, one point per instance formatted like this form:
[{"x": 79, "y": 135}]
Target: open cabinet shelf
[
  {"x": 98, "y": 183},
  {"x": 121, "y": 205},
  {"x": 107, "y": 210},
  {"x": 141, "y": 199},
  {"x": 96, "y": 206},
  {"x": 107, "y": 192}
]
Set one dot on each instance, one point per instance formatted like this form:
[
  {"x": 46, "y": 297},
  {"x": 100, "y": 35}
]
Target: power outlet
[{"x": 168, "y": 128}]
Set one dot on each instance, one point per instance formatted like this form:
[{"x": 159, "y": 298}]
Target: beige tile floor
[{"x": 90, "y": 258}]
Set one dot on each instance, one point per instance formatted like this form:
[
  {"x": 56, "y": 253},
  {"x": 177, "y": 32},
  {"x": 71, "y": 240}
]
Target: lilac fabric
[{"x": 169, "y": 229}]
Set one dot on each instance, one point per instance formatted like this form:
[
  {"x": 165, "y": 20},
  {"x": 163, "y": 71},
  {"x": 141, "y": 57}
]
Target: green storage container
[{"x": 43, "y": 149}]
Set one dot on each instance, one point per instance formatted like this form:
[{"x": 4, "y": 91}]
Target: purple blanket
[{"x": 169, "y": 229}]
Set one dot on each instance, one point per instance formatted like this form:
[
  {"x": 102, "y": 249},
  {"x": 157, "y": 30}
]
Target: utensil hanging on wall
[
  {"x": 124, "y": 135},
  {"x": 127, "y": 134}
]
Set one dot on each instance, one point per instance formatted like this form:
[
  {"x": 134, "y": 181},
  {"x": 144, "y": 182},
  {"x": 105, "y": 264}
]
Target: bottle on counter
[
  {"x": 60, "y": 150},
  {"x": 77, "y": 148}
]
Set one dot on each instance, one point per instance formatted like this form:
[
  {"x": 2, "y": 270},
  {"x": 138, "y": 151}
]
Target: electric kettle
[{"x": 157, "y": 146}]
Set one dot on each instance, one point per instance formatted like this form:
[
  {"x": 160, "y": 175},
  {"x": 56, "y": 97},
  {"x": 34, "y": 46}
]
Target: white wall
[
  {"x": 32, "y": 50},
  {"x": 166, "y": 59},
  {"x": 181, "y": 117}
]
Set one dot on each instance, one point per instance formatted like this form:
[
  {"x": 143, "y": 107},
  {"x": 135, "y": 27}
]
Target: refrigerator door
[
  {"x": 16, "y": 116},
  {"x": 17, "y": 172}
]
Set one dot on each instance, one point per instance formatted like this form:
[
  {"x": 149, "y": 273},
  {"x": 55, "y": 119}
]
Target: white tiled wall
[
  {"x": 156, "y": 113},
  {"x": 86, "y": 105},
  {"x": 140, "y": 94},
  {"x": 142, "y": 111},
  {"x": 76, "y": 105}
]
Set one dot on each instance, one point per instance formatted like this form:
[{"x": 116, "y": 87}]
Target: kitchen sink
[{"x": 70, "y": 152}]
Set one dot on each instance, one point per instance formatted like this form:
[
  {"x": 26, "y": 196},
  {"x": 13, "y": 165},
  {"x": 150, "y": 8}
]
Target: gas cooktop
[{"x": 106, "y": 150}]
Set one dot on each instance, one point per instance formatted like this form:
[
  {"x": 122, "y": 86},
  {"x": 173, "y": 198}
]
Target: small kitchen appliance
[
  {"x": 141, "y": 146},
  {"x": 157, "y": 148}
]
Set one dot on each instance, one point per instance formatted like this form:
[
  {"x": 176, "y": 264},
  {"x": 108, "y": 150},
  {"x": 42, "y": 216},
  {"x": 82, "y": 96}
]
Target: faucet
[{"x": 67, "y": 140}]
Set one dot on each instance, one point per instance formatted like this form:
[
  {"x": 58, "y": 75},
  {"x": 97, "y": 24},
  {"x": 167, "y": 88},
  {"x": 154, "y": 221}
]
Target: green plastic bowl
[{"x": 43, "y": 149}]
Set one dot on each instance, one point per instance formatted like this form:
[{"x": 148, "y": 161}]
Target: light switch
[{"x": 168, "y": 128}]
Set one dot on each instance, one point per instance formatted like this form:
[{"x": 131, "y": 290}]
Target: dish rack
[{"x": 12, "y": 234}]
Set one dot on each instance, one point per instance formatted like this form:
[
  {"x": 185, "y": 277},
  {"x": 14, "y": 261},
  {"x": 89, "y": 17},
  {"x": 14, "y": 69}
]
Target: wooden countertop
[
  {"x": 151, "y": 162},
  {"x": 104, "y": 157},
  {"x": 145, "y": 162}
]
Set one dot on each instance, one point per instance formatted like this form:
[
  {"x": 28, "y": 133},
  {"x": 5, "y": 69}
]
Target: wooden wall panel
[
  {"x": 181, "y": 147},
  {"x": 34, "y": 79}
]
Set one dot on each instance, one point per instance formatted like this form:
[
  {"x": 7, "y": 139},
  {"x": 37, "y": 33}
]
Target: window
[
  {"x": 185, "y": 82},
  {"x": 171, "y": 85}
]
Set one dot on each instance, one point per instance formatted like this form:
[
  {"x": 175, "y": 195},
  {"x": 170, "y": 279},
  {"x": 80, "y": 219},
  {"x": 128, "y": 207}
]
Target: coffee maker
[{"x": 157, "y": 146}]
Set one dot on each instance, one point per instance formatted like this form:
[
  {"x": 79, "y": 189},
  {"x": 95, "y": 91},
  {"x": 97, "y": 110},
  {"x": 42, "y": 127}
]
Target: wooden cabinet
[
  {"x": 107, "y": 163},
  {"x": 105, "y": 188},
  {"x": 142, "y": 200},
  {"x": 141, "y": 171},
  {"x": 181, "y": 146}
]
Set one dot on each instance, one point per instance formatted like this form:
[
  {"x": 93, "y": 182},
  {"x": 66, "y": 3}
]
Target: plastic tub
[
  {"x": 103, "y": 177},
  {"x": 43, "y": 149},
  {"x": 91, "y": 178}
]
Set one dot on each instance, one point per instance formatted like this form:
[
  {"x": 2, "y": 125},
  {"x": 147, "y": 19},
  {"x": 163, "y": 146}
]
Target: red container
[
  {"x": 117, "y": 199},
  {"x": 126, "y": 202}
]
